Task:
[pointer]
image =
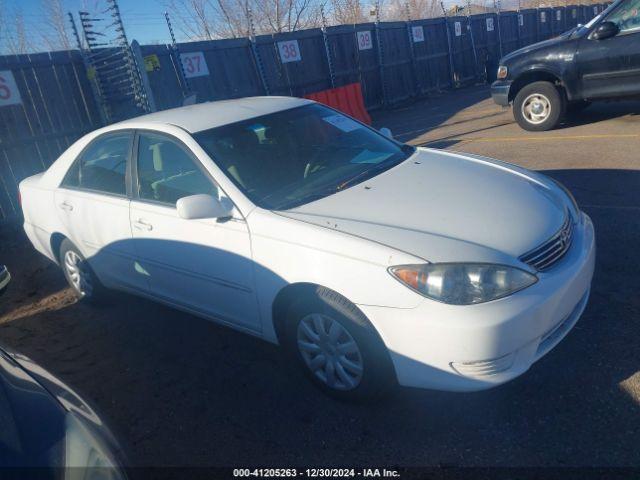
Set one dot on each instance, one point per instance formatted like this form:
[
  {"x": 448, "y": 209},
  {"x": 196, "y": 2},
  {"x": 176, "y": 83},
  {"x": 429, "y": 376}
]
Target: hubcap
[
  {"x": 536, "y": 108},
  {"x": 77, "y": 273},
  {"x": 330, "y": 352}
]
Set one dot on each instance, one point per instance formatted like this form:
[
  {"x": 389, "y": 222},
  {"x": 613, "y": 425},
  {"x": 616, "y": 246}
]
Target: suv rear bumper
[{"x": 500, "y": 92}]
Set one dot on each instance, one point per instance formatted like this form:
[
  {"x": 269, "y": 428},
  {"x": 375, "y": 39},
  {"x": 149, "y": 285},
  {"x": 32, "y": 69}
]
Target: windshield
[{"x": 292, "y": 157}]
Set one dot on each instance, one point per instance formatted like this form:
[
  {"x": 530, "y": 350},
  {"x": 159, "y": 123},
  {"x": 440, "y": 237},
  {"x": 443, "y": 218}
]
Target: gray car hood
[{"x": 442, "y": 206}]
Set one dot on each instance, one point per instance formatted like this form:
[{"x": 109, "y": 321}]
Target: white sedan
[{"x": 373, "y": 263}]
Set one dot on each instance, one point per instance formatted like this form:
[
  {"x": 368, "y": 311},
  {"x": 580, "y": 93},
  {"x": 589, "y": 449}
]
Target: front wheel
[
  {"x": 79, "y": 275},
  {"x": 539, "y": 106},
  {"x": 337, "y": 347}
]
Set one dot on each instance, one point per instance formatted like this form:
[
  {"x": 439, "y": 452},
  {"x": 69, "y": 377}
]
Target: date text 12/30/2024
[{"x": 316, "y": 472}]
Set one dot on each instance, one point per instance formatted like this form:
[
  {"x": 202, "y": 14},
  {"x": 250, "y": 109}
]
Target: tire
[
  {"x": 79, "y": 275},
  {"x": 327, "y": 311},
  {"x": 539, "y": 106}
]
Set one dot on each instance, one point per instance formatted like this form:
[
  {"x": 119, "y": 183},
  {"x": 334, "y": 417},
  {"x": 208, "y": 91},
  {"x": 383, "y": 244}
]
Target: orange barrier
[{"x": 347, "y": 99}]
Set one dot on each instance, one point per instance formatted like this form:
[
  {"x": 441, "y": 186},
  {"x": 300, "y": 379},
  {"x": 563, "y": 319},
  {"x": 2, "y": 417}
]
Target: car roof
[{"x": 203, "y": 116}]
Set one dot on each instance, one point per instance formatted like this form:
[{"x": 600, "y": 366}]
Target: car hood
[
  {"x": 552, "y": 42},
  {"x": 442, "y": 206}
]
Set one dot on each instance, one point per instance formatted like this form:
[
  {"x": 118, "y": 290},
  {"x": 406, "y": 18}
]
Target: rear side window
[
  {"x": 627, "y": 16},
  {"x": 102, "y": 166},
  {"x": 167, "y": 172}
]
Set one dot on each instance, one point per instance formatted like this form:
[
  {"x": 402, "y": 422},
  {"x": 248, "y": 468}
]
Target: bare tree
[
  {"x": 208, "y": 19},
  {"x": 15, "y": 34},
  {"x": 55, "y": 35},
  {"x": 347, "y": 12}
]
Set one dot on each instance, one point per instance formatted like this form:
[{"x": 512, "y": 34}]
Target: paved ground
[{"x": 182, "y": 391}]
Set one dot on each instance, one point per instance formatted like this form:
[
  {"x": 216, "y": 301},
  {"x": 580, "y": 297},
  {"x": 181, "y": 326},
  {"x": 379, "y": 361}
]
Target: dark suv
[{"x": 599, "y": 60}]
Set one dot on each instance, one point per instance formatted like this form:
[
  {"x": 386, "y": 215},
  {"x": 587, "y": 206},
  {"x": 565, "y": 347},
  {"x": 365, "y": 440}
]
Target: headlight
[
  {"x": 86, "y": 456},
  {"x": 502, "y": 72},
  {"x": 463, "y": 283}
]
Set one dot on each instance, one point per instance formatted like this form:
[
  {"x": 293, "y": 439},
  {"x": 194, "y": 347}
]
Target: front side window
[
  {"x": 167, "y": 172},
  {"x": 102, "y": 166},
  {"x": 626, "y": 16},
  {"x": 292, "y": 157}
]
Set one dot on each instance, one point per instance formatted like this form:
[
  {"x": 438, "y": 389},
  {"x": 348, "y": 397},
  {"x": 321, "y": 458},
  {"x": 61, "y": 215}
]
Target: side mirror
[
  {"x": 203, "y": 206},
  {"x": 605, "y": 30},
  {"x": 386, "y": 132}
]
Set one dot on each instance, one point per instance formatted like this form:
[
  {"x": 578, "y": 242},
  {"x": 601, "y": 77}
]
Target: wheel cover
[
  {"x": 536, "y": 108},
  {"x": 78, "y": 273},
  {"x": 330, "y": 352}
]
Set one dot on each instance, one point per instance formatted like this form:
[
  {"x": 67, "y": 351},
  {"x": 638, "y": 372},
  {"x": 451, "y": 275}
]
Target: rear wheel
[
  {"x": 337, "y": 347},
  {"x": 79, "y": 275},
  {"x": 539, "y": 106}
]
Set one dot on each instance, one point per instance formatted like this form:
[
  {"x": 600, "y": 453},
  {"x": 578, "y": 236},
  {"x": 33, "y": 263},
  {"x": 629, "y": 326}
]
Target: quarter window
[
  {"x": 167, "y": 172},
  {"x": 102, "y": 166}
]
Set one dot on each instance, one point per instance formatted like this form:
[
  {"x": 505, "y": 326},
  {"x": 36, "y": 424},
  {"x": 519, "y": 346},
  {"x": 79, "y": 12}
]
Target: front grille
[{"x": 546, "y": 255}]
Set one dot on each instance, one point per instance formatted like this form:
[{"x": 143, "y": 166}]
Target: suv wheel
[{"x": 538, "y": 106}]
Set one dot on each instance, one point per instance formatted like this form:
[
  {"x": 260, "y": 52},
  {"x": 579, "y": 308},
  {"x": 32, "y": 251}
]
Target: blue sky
[{"x": 143, "y": 19}]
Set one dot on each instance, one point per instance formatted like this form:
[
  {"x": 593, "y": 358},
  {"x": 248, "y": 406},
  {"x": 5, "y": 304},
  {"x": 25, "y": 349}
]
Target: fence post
[
  {"x": 448, "y": 32},
  {"x": 256, "y": 54},
  {"x": 146, "y": 86},
  {"x": 95, "y": 88},
  {"x": 496, "y": 4},
  {"x": 327, "y": 50},
  {"x": 383, "y": 83},
  {"x": 175, "y": 51},
  {"x": 473, "y": 43},
  {"x": 414, "y": 68}
]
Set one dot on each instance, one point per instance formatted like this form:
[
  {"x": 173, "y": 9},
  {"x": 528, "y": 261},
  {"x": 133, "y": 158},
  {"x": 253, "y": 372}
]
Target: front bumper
[
  {"x": 467, "y": 348},
  {"x": 500, "y": 92}
]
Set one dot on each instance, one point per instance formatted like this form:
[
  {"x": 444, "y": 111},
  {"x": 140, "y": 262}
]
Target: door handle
[
  {"x": 66, "y": 206},
  {"x": 142, "y": 225}
]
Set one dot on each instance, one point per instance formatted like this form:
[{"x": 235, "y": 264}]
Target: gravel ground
[{"x": 179, "y": 390}]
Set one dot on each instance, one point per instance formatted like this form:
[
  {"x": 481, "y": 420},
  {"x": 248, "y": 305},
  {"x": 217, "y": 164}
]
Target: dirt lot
[{"x": 179, "y": 390}]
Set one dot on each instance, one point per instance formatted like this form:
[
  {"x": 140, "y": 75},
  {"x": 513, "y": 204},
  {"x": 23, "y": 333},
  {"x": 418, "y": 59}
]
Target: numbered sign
[
  {"x": 289, "y": 51},
  {"x": 9, "y": 93},
  {"x": 558, "y": 15},
  {"x": 151, "y": 63},
  {"x": 364, "y": 40},
  {"x": 574, "y": 13},
  {"x": 194, "y": 64},
  {"x": 457, "y": 27},
  {"x": 489, "y": 24},
  {"x": 521, "y": 20},
  {"x": 543, "y": 17},
  {"x": 417, "y": 33}
]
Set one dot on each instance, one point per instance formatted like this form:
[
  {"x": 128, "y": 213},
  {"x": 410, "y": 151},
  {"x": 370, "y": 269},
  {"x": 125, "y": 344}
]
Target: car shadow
[
  {"x": 600, "y": 112},
  {"x": 180, "y": 390}
]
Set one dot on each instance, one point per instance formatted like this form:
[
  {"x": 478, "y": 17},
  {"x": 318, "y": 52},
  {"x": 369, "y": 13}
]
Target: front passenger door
[
  {"x": 201, "y": 265},
  {"x": 611, "y": 67}
]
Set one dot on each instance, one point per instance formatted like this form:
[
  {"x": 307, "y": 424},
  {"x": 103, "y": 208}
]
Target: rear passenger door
[
  {"x": 203, "y": 265},
  {"x": 93, "y": 204}
]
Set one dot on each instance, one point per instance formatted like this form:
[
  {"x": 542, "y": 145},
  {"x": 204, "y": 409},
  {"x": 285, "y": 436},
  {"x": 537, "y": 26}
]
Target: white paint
[
  {"x": 417, "y": 32},
  {"x": 289, "y": 51},
  {"x": 194, "y": 64},
  {"x": 489, "y": 24},
  {"x": 520, "y": 20},
  {"x": 434, "y": 207},
  {"x": 364, "y": 40},
  {"x": 457, "y": 26},
  {"x": 558, "y": 15},
  {"x": 543, "y": 17},
  {"x": 9, "y": 93}
]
